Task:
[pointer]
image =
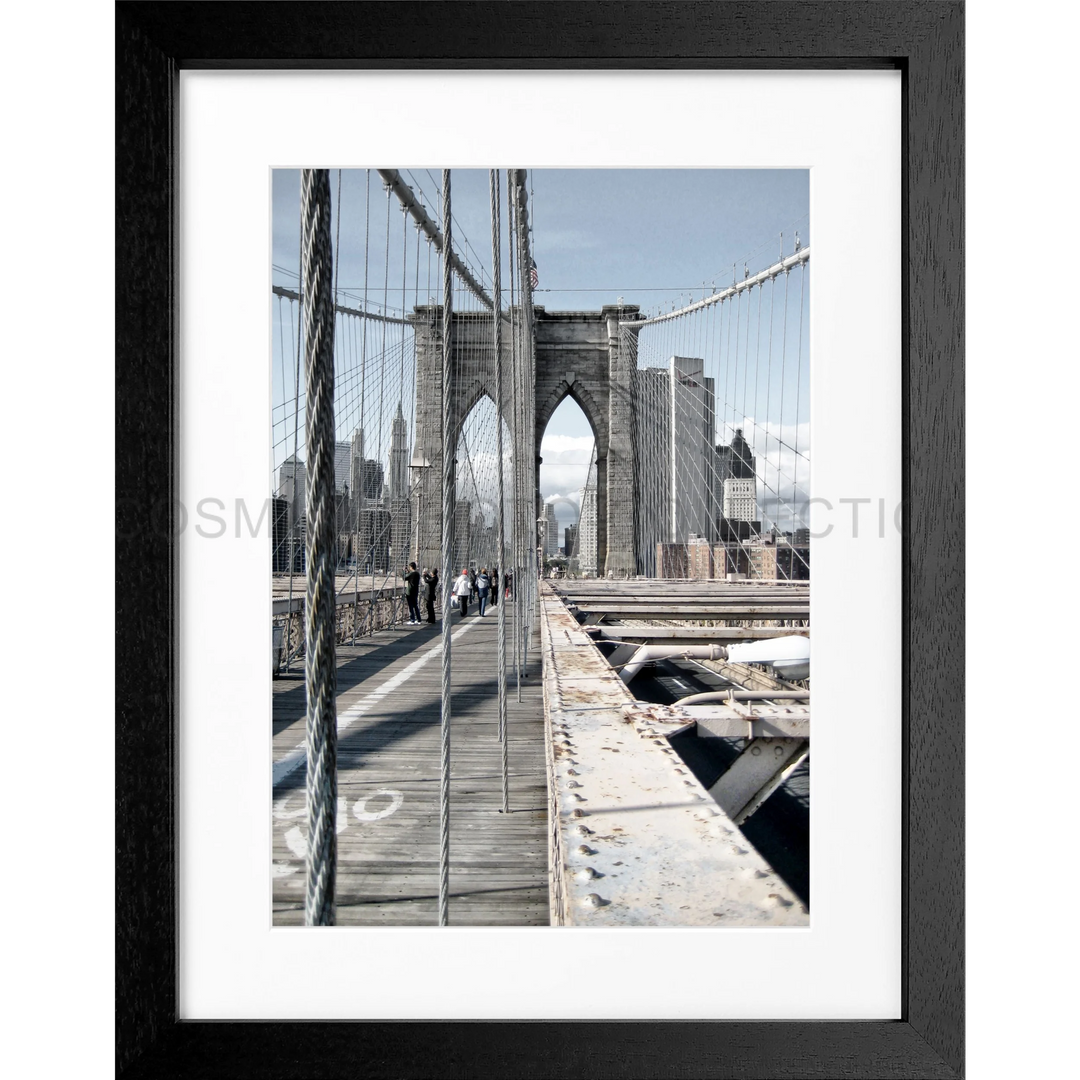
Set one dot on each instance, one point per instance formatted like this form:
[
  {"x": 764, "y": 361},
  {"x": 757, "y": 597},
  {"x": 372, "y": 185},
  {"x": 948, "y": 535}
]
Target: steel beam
[
  {"x": 635, "y": 839},
  {"x": 704, "y": 634},
  {"x": 755, "y": 774},
  {"x": 785, "y": 265},
  {"x": 723, "y": 723},
  {"x": 289, "y": 294},
  {"x": 392, "y": 178}
]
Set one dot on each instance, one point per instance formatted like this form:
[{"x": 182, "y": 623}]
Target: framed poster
[{"x": 154, "y": 42}]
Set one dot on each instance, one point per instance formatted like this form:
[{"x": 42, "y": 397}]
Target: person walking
[
  {"x": 412, "y": 592},
  {"x": 509, "y": 579},
  {"x": 472, "y": 581},
  {"x": 483, "y": 589},
  {"x": 494, "y": 585},
  {"x": 463, "y": 590},
  {"x": 431, "y": 590}
]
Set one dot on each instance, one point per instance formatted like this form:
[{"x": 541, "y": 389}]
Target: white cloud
[
  {"x": 565, "y": 468},
  {"x": 574, "y": 447}
]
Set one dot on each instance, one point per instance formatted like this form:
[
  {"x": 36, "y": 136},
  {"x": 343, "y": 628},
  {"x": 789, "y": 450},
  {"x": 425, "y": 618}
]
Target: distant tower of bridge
[{"x": 579, "y": 354}]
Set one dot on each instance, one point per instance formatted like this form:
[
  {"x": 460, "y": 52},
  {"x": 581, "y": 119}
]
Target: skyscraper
[
  {"x": 674, "y": 455},
  {"x": 365, "y": 475},
  {"x": 356, "y": 466},
  {"x": 397, "y": 491},
  {"x": 740, "y": 486},
  {"x": 570, "y": 541},
  {"x": 292, "y": 482},
  {"x": 692, "y": 409},
  {"x": 551, "y": 531},
  {"x": 399, "y": 458},
  {"x": 342, "y": 452},
  {"x": 587, "y": 550}
]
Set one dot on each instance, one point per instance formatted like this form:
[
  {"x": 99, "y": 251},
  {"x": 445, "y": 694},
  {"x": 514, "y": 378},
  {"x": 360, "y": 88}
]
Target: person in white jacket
[{"x": 463, "y": 590}]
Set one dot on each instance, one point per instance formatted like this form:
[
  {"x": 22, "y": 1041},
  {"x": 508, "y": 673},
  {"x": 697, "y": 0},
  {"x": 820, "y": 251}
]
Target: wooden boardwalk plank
[{"x": 388, "y": 784}]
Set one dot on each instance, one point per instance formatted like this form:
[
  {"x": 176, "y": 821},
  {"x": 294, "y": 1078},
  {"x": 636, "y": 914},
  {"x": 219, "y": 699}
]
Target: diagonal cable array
[
  {"x": 721, "y": 428},
  {"x": 431, "y": 394}
]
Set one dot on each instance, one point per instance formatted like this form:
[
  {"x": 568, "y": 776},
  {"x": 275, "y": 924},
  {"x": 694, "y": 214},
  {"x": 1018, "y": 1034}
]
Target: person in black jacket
[
  {"x": 431, "y": 587},
  {"x": 412, "y": 592},
  {"x": 483, "y": 588}
]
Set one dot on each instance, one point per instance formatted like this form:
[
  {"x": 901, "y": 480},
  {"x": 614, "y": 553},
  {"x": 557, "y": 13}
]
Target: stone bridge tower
[{"x": 578, "y": 355}]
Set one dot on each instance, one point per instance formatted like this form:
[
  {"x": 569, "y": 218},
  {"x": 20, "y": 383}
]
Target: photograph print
[{"x": 540, "y": 498}]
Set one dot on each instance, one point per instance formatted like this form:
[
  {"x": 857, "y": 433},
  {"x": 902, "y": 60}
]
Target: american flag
[{"x": 534, "y": 276}]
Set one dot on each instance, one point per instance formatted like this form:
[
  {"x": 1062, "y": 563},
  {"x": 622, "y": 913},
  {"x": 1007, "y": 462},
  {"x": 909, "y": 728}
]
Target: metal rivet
[
  {"x": 584, "y": 830},
  {"x": 584, "y": 849},
  {"x": 594, "y": 900}
]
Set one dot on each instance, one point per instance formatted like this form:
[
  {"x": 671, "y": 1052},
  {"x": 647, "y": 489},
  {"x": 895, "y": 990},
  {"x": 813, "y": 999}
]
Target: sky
[{"x": 654, "y": 237}]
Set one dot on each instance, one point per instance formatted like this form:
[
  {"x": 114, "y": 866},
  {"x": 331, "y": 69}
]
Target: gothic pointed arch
[{"x": 585, "y": 401}]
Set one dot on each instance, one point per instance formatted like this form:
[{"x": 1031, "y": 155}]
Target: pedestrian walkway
[{"x": 388, "y": 783}]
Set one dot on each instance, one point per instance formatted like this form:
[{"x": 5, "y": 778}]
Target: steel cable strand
[
  {"x": 296, "y": 452},
  {"x": 447, "y": 548},
  {"x": 496, "y": 287},
  {"x": 515, "y": 399},
  {"x": 319, "y": 666}
]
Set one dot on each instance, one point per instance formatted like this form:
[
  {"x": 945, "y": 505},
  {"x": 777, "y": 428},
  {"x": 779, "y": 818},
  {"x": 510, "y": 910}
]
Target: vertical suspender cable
[
  {"x": 529, "y": 442},
  {"x": 496, "y": 286},
  {"x": 447, "y": 549},
  {"x": 517, "y": 436},
  {"x": 295, "y": 455},
  {"x": 319, "y": 667},
  {"x": 795, "y": 442},
  {"x": 383, "y": 365},
  {"x": 363, "y": 399}
]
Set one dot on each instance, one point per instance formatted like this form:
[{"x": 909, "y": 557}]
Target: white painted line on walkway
[{"x": 288, "y": 764}]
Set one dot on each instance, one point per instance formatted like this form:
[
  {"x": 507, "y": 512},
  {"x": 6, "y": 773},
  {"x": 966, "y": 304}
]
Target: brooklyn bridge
[{"x": 473, "y": 722}]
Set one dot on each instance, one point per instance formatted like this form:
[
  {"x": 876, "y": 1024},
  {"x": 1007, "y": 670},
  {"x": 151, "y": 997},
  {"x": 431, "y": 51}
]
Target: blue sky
[{"x": 657, "y": 238}]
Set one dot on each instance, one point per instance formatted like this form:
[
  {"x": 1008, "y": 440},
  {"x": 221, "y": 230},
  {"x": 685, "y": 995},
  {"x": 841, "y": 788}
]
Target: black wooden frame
[{"x": 924, "y": 39}]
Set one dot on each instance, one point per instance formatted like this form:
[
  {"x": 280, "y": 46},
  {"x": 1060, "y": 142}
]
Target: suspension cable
[
  {"x": 447, "y": 548},
  {"x": 319, "y": 661}
]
